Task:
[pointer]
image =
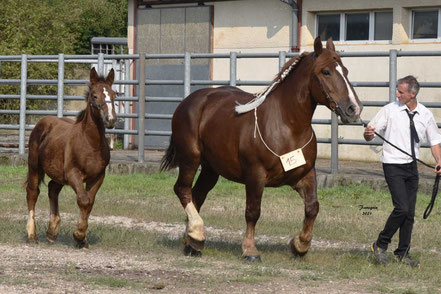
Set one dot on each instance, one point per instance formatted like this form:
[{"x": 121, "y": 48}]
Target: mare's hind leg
[
  {"x": 206, "y": 181},
  {"x": 194, "y": 236},
  {"x": 32, "y": 192},
  {"x": 307, "y": 187},
  {"x": 54, "y": 218}
]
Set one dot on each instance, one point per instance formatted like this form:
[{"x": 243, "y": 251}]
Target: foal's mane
[{"x": 82, "y": 113}]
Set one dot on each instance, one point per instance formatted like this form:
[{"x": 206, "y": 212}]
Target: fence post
[
  {"x": 282, "y": 59},
  {"x": 392, "y": 74},
  {"x": 334, "y": 143},
  {"x": 141, "y": 108},
  {"x": 101, "y": 64},
  {"x": 233, "y": 68},
  {"x": 23, "y": 84},
  {"x": 60, "y": 94},
  {"x": 126, "y": 103},
  {"x": 187, "y": 74}
]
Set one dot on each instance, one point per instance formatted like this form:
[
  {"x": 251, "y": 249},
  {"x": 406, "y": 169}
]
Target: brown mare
[
  {"x": 207, "y": 131},
  {"x": 71, "y": 153}
]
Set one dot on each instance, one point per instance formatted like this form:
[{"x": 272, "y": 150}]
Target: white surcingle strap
[{"x": 260, "y": 98}]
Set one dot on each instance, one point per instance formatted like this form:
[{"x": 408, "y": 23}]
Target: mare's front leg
[
  {"x": 254, "y": 190},
  {"x": 307, "y": 188},
  {"x": 54, "y": 218},
  {"x": 85, "y": 201}
]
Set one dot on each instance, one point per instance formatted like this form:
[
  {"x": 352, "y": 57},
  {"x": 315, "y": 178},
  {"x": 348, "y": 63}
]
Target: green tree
[{"x": 50, "y": 27}]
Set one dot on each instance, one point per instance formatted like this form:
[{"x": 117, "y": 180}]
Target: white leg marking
[
  {"x": 109, "y": 103},
  {"x": 195, "y": 228},
  {"x": 30, "y": 227},
  {"x": 351, "y": 93}
]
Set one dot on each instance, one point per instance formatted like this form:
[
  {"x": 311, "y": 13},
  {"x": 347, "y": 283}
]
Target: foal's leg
[
  {"x": 254, "y": 191},
  {"x": 32, "y": 192},
  {"x": 54, "y": 219},
  {"x": 85, "y": 209},
  {"x": 307, "y": 187}
]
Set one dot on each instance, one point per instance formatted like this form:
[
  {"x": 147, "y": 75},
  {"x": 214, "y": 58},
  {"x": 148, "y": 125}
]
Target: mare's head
[
  {"x": 330, "y": 85},
  {"x": 101, "y": 97}
]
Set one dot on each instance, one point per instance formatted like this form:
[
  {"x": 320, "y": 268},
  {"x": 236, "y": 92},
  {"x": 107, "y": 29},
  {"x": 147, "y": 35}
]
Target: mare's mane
[
  {"x": 293, "y": 62},
  {"x": 82, "y": 113}
]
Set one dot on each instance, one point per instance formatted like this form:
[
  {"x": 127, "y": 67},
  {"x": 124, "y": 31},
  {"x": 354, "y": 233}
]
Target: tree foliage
[{"x": 51, "y": 27}]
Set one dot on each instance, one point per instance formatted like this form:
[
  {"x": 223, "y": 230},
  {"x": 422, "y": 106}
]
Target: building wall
[{"x": 265, "y": 26}]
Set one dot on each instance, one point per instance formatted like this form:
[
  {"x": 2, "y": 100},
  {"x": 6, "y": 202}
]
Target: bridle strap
[{"x": 332, "y": 104}]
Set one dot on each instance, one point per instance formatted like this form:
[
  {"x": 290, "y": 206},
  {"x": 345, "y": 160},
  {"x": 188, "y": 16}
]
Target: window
[
  {"x": 426, "y": 24},
  {"x": 360, "y": 26}
]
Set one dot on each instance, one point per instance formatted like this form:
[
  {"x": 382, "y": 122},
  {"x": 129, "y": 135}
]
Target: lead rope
[
  {"x": 257, "y": 129},
  {"x": 437, "y": 178}
]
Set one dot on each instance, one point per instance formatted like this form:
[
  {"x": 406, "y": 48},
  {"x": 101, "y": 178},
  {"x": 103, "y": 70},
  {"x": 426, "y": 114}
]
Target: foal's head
[
  {"x": 330, "y": 84},
  {"x": 101, "y": 97}
]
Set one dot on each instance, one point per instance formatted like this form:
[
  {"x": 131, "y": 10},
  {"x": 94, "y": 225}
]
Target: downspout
[{"x": 295, "y": 23}]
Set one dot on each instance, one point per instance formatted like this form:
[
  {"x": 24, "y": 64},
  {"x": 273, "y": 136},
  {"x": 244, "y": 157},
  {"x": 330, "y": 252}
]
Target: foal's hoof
[
  {"x": 294, "y": 250},
  {"x": 252, "y": 258},
  {"x": 51, "y": 237},
  {"x": 32, "y": 241},
  {"x": 189, "y": 251},
  {"x": 83, "y": 245}
]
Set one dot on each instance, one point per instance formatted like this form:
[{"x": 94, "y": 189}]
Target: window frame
[
  {"x": 343, "y": 27},
  {"x": 412, "y": 26}
]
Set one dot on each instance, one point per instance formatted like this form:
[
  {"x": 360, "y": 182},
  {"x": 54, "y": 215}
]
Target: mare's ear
[
  {"x": 93, "y": 76},
  {"x": 110, "y": 77},
  {"x": 318, "y": 47},
  {"x": 330, "y": 44}
]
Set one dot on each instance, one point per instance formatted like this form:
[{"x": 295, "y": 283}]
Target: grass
[{"x": 148, "y": 198}]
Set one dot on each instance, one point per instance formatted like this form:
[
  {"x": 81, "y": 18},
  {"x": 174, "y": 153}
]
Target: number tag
[{"x": 292, "y": 159}]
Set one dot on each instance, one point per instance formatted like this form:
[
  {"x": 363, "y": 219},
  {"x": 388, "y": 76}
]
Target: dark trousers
[{"x": 402, "y": 180}]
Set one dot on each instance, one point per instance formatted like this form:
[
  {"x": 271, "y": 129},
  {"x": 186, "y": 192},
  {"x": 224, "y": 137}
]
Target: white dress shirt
[{"x": 392, "y": 122}]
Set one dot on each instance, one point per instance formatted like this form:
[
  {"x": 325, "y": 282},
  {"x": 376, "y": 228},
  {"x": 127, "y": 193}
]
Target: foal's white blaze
[
  {"x": 351, "y": 93},
  {"x": 109, "y": 103}
]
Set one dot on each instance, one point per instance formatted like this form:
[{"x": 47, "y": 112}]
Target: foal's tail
[{"x": 169, "y": 160}]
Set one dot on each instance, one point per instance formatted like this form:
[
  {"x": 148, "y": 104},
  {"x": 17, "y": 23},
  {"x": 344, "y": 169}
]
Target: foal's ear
[
  {"x": 93, "y": 76},
  {"x": 330, "y": 44},
  {"x": 110, "y": 77},
  {"x": 318, "y": 47}
]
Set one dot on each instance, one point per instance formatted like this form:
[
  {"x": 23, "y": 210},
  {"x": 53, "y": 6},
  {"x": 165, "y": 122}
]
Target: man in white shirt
[{"x": 406, "y": 124}]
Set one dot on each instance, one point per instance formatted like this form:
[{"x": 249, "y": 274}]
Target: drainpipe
[{"x": 295, "y": 24}]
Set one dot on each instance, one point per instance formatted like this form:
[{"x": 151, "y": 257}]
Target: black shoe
[
  {"x": 379, "y": 254},
  {"x": 408, "y": 260}
]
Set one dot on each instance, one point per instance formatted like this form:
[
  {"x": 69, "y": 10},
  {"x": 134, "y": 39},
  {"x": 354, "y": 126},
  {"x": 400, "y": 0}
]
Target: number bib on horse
[{"x": 292, "y": 159}]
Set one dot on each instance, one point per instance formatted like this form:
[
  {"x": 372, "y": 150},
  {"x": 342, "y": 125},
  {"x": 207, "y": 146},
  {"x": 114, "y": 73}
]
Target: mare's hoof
[
  {"x": 294, "y": 250},
  {"x": 189, "y": 251},
  {"x": 252, "y": 258}
]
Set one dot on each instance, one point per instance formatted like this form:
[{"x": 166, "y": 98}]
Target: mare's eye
[{"x": 326, "y": 72}]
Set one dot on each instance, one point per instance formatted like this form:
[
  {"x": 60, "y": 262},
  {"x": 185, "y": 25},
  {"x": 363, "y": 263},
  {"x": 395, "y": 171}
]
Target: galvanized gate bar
[
  {"x": 334, "y": 143},
  {"x": 60, "y": 85},
  {"x": 141, "y": 107},
  {"x": 187, "y": 74},
  {"x": 126, "y": 104},
  {"x": 23, "y": 84},
  {"x": 392, "y": 75},
  {"x": 233, "y": 68}
]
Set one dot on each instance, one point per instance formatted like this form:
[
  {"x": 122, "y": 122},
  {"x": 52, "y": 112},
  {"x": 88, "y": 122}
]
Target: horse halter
[{"x": 332, "y": 104}]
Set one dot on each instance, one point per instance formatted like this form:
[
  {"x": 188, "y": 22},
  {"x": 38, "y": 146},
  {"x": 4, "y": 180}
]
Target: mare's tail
[{"x": 169, "y": 160}]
